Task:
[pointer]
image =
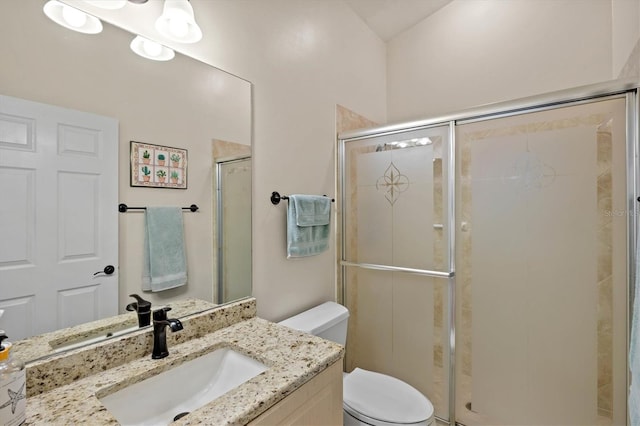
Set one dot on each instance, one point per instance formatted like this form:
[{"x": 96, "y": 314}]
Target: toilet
[{"x": 369, "y": 398}]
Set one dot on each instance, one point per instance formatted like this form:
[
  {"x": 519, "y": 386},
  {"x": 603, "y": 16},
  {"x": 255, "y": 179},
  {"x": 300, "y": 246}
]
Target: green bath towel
[
  {"x": 308, "y": 221},
  {"x": 165, "y": 262}
]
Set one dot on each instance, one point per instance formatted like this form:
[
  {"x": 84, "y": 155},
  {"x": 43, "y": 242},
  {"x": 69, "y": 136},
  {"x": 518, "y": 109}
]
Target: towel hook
[{"x": 276, "y": 198}]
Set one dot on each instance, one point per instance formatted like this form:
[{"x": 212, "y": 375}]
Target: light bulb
[
  {"x": 177, "y": 22},
  {"x": 71, "y": 18},
  {"x": 151, "y": 48},
  {"x": 178, "y": 27},
  {"x": 74, "y": 17}
]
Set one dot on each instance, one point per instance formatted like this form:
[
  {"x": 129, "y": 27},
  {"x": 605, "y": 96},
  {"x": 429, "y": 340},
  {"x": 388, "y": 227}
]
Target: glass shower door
[
  {"x": 233, "y": 249},
  {"x": 541, "y": 267},
  {"x": 396, "y": 258}
]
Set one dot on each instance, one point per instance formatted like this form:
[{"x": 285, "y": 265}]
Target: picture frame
[{"x": 157, "y": 166}]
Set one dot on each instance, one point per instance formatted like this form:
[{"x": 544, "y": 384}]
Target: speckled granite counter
[
  {"x": 42, "y": 345},
  {"x": 61, "y": 369},
  {"x": 293, "y": 358}
]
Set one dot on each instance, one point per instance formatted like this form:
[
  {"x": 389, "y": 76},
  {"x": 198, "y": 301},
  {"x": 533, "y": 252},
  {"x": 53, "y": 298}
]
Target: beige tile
[
  {"x": 223, "y": 149},
  {"x": 347, "y": 119}
]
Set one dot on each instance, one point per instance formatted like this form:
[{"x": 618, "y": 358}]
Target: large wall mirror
[{"x": 182, "y": 103}]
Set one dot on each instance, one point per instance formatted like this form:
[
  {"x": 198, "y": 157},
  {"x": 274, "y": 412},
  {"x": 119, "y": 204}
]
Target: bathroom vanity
[{"x": 301, "y": 382}]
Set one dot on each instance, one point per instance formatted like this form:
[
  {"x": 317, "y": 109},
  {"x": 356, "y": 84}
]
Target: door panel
[{"x": 59, "y": 224}]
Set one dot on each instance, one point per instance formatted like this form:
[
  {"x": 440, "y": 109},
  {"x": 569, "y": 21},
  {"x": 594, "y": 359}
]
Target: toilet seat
[{"x": 381, "y": 400}]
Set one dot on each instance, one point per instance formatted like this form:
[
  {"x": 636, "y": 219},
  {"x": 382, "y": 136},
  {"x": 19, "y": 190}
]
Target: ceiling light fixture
[
  {"x": 107, "y": 4},
  {"x": 151, "y": 50},
  {"x": 177, "y": 22},
  {"x": 72, "y": 18}
]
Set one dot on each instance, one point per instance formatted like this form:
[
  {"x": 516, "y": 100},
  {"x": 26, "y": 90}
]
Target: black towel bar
[
  {"x": 276, "y": 198},
  {"x": 122, "y": 208}
]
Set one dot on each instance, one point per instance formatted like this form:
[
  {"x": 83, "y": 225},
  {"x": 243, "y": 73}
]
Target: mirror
[
  {"x": 233, "y": 248},
  {"x": 182, "y": 103}
]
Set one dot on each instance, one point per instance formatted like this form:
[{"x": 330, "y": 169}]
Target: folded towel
[
  {"x": 308, "y": 221},
  {"x": 165, "y": 262},
  {"x": 634, "y": 351},
  {"x": 311, "y": 210}
]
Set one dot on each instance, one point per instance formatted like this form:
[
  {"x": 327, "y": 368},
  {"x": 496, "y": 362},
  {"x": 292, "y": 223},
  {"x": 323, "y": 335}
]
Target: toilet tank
[{"x": 328, "y": 321}]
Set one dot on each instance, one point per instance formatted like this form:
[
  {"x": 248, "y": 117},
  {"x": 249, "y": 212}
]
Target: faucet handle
[
  {"x": 140, "y": 306},
  {"x": 161, "y": 314}
]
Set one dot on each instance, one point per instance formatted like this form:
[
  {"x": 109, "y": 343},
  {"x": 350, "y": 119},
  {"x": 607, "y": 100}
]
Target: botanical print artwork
[
  {"x": 392, "y": 183},
  {"x": 158, "y": 166}
]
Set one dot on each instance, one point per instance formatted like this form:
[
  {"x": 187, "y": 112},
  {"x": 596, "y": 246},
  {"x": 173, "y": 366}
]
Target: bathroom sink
[{"x": 158, "y": 400}]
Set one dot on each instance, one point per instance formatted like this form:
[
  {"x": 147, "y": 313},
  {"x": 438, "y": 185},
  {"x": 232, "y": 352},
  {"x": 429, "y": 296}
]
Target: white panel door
[{"x": 58, "y": 217}]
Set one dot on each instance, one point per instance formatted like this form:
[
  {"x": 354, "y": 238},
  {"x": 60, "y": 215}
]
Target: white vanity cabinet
[{"x": 317, "y": 402}]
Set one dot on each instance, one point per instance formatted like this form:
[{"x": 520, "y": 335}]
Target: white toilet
[{"x": 369, "y": 398}]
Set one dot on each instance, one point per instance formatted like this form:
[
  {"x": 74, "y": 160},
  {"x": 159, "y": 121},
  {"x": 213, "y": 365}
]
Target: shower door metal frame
[{"x": 627, "y": 89}]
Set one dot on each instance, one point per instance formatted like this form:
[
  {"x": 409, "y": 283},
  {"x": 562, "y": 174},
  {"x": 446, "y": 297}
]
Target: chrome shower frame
[{"x": 628, "y": 89}]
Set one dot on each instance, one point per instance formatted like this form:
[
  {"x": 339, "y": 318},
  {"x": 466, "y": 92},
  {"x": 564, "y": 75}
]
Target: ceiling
[{"x": 388, "y": 18}]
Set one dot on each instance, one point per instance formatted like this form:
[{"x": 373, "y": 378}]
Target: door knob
[{"x": 108, "y": 270}]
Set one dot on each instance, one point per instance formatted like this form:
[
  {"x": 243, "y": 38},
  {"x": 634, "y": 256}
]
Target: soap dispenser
[{"x": 13, "y": 393}]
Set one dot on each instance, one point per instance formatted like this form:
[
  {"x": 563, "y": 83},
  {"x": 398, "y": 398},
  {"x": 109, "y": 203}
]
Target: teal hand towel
[
  {"x": 308, "y": 222},
  {"x": 311, "y": 210},
  {"x": 165, "y": 262}
]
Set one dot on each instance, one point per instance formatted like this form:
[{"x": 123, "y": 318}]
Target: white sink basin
[{"x": 184, "y": 388}]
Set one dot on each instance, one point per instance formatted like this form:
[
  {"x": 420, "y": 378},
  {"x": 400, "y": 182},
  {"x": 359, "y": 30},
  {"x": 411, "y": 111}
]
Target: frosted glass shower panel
[
  {"x": 541, "y": 265},
  {"x": 400, "y": 328},
  {"x": 396, "y": 209}
]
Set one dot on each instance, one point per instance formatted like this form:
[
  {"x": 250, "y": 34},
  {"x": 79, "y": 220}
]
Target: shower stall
[{"x": 487, "y": 257}]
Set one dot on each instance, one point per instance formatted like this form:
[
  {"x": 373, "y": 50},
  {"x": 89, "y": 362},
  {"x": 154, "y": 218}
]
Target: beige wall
[
  {"x": 625, "y": 34},
  {"x": 471, "y": 53},
  {"x": 317, "y": 54},
  {"x": 303, "y": 58}
]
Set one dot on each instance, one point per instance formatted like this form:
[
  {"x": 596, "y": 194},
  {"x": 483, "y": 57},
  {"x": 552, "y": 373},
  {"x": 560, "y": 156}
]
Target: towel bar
[
  {"x": 122, "y": 208},
  {"x": 276, "y": 198}
]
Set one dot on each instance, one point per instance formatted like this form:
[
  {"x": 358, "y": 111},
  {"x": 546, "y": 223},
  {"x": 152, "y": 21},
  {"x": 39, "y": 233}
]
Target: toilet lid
[{"x": 385, "y": 398}]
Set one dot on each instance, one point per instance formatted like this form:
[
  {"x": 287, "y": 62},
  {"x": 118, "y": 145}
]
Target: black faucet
[
  {"x": 160, "y": 322},
  {"x": 143, "y": 308}
]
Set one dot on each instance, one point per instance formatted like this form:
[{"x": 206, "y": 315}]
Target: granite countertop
[
  {"x": 292, "y": 358},
  {"x": 43, "y": 345}
]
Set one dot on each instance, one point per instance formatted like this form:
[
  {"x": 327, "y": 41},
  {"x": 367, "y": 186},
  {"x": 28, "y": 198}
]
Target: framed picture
[{"x": 158, "y": 166}]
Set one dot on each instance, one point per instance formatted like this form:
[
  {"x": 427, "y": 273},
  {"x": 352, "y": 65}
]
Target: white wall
[
  {"x": 303, "y": 57},
  {"x": 471, "y": 53}
]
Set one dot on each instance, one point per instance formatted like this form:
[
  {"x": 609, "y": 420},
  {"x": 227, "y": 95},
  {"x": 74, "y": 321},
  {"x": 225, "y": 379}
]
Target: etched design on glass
[
  {"x": 392, "y": 183},
  {"x": 530, "y": 172},
  {"x": 14, "y": 397}
]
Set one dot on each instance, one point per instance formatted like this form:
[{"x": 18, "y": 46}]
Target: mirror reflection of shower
[{"x": 233, "y": 190}]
